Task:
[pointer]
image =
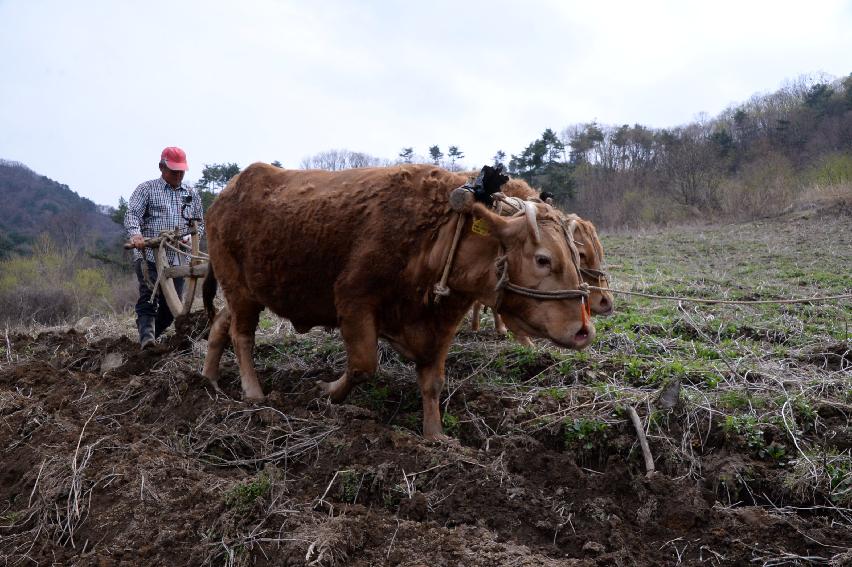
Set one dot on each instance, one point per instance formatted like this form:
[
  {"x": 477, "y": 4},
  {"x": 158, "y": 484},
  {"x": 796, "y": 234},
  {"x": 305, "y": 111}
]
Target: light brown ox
[
  {"x": 361, "y": 250},
  {"x": 591, "y": 264}
]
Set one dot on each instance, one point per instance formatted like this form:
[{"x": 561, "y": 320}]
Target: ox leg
[
  {"x": 244, "y": 318},
  {"x": 499, "y": 325},
  {"x": 474, "y": 316},
  {"x": 217, "y": 341},
  {"x": 430, "y": 377},
  {"x": 361, "y": 338}
]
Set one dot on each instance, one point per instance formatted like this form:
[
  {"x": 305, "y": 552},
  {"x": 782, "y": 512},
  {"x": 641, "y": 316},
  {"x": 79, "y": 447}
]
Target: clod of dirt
[
  {"x": 415, "y": 508},
  {"x": 832, "y": 356},
  {"x": 192, "y": 325},
  {"x": 593, "y": 548}
]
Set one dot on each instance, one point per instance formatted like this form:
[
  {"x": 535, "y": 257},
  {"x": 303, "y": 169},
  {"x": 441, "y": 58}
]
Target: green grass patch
[
  {"x": 584, "y": 433},
  {"x": 241, "y": 497},
  {"x": 451, "y": 424}
]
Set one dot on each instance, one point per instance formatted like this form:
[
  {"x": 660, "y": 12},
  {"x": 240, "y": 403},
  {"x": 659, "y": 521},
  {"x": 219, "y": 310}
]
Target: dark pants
[{"x": 157, "y": 312}]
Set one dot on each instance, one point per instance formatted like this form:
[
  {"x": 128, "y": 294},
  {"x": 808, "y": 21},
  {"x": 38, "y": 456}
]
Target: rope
[
  {"x": 501, "y": 267},
  {"x": 592, "y": 273},
  {"x": 184, "y": 246},
  {"x": 726, "y": 301},
  {"x": 202, "y": 256},
  {"x": 441, "y": 289},
  {"x": 539, "y": 294}
]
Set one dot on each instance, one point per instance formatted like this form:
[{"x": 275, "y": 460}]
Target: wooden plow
[{"x": 192, "y": 265}]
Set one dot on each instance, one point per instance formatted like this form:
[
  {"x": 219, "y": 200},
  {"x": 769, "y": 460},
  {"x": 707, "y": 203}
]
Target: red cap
[{"x": 174, "y": 158}]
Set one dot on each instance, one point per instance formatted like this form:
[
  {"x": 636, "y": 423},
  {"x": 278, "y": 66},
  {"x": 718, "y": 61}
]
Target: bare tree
[
  {"x": 690, "y": 168},
  {"x": 335, "y": 160}
]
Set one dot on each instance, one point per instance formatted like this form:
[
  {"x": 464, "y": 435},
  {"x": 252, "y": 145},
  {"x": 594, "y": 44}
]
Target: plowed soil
[{"x": 116, "y": 457}]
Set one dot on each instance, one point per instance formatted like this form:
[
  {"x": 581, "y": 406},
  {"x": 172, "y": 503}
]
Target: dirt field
[{"x": 114, "y": 457}]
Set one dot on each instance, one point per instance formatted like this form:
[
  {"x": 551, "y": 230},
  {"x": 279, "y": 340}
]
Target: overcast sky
[{"x": 91, "y": 91}]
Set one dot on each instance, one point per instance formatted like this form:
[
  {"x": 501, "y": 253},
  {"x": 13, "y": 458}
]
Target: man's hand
[{"x": 137, "y": 241}]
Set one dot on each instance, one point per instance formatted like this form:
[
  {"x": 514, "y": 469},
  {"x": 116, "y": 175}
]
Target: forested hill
[
  {"x": 754, "y": 159},
  {"x": 32, "y": 205}
]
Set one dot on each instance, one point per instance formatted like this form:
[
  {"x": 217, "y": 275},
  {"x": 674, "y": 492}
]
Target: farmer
[{"x": 155, "y": 206}]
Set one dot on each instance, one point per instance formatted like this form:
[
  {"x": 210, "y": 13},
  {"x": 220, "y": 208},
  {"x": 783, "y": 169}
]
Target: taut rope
[{"x": 726, "y": 301}]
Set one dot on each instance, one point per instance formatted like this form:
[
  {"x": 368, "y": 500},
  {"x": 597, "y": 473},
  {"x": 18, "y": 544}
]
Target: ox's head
[
  {"x": 543, "y": 295},
  {"x": 591, "y": 264}
]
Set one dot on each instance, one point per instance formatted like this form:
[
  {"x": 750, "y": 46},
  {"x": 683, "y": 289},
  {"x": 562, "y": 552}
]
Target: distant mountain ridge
[{"x": 32, "y": 205}]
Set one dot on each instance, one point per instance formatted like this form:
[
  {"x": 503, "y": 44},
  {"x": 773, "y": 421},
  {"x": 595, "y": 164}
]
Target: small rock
[
  {"x": 670, "y": 395},
  {"x": 83, "y": 325},
  {"x": 111, "y": 361},
  {"x": 593, "y": 547}
]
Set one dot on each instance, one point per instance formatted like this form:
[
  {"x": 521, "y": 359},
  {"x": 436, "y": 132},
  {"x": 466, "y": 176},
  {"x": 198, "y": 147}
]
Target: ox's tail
[{"x": 209, "y": 292}]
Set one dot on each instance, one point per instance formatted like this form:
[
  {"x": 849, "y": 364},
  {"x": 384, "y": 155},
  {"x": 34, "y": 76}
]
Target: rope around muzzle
[
  {"x": 581, "y": 293},
  {"x": 599, "y": 275}
]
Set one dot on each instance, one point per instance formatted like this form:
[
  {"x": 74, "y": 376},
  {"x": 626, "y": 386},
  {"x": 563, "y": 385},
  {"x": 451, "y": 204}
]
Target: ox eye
[{"x": 542, "y": 261}]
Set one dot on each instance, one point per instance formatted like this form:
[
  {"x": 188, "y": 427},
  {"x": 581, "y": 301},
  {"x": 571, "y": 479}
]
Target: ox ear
[{"x": 505, "y": 229}]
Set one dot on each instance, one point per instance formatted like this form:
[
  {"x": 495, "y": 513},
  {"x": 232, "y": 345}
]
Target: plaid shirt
[{"x": 154, "y": 207}]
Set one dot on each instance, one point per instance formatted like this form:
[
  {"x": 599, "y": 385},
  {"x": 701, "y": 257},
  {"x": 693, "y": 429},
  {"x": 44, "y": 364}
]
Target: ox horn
[
  {"x": 572, "y": 244},
  {"x": 529, "y": 211}
]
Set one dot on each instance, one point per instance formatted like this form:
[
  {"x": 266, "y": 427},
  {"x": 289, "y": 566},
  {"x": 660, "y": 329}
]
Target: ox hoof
[
  {"x": 213, "y": 383},
  {"x": 333, "y": 390},
  {"x": 441, "y": 439},
  {"x": 254, "y": 397}
]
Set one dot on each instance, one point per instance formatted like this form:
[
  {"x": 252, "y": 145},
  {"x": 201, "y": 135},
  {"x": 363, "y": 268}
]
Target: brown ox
[
  {"x": 361, "y": 250},
  {"x": 591, "y": 264}
]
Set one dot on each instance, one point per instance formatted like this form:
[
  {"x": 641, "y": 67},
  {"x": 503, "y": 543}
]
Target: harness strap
[
  {"x": 441, "y": 289},
  {"x": 599, "y": 275},
  {"x": 581, "y": 293}
]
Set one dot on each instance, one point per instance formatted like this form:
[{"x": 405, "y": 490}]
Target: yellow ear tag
[{"x": 480, "y": 227}]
